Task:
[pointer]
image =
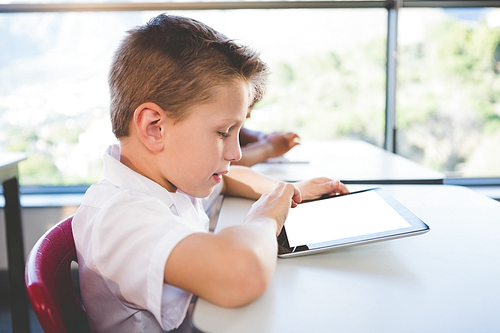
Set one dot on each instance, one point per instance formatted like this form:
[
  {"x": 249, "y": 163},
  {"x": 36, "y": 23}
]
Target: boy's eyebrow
[
  {"x": 232, "y": 124},
  {"x": 233, "y": 121}
]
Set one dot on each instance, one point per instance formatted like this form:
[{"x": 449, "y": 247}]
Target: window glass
[
  {"x": 54, "y": 92},
  {"x": 448, "y": 97},
  {"x": 328, "y": 80}
]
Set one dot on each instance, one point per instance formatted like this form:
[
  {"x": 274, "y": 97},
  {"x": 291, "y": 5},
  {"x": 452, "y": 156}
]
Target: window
[
  {"x": 328, "y": 80},
  {"x": 55, "y": 99},
  {"x": 329, "y": 72},
  {"x": 448, "y": 98}
]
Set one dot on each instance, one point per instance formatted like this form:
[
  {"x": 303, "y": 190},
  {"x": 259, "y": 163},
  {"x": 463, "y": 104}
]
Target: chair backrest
[{"x": 49, "y": 283}]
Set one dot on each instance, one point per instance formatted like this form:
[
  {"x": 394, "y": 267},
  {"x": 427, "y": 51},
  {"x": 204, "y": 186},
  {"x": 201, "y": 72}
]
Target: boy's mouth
[{"x": 218, "y": 176}]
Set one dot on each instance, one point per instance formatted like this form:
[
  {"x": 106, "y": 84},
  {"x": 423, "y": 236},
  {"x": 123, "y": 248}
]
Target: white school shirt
[{"x": 124, "y": 231}]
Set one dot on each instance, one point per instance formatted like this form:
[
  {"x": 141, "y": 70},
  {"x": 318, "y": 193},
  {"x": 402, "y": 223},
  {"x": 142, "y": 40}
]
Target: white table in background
[{"x": 352, "y": 161}]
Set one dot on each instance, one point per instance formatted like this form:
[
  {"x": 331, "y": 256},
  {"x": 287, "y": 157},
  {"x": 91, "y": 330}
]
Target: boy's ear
[{"x": 148, "y": 121}]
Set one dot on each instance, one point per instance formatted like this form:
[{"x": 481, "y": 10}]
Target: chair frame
[{"x": 49, "y": 284}]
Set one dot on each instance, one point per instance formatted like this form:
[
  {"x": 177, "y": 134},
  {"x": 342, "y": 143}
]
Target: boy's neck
[{"x": 137, "y": 158}]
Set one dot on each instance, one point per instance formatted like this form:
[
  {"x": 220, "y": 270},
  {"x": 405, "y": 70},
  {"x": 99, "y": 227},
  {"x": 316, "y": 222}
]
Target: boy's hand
[
  {"x": 317, "y": 187},
  {"x": 275, "y": 205}
]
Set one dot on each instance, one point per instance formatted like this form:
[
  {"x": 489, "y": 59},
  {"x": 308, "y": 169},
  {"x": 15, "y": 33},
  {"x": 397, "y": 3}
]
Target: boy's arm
[
  {"x": 233, "y": 267},
  {"x": 247, "y": 183}
]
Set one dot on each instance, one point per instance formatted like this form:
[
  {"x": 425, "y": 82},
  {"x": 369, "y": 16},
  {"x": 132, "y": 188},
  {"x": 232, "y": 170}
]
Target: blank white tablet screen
[{"x": 342, "y": 217}]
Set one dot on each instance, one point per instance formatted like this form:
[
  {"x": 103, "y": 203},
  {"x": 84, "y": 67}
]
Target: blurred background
[{"x": 328, "y": 82}]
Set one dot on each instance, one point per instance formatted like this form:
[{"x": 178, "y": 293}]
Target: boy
[{"x": 179, "y": 95}]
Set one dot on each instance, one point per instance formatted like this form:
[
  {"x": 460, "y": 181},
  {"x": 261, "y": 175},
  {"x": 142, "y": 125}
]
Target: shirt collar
[
  {"x": 180, "y": 203},
  {"x": 122, "y": 176}
]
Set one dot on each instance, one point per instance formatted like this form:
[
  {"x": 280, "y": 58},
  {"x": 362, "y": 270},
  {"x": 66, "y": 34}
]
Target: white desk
[
  {"x": 352, "y": 161},
  {"x": 447, "y": 280},
  {"x": 14, "y": 235}
]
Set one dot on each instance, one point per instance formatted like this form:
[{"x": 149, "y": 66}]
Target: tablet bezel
[{"x": 417, "y": 226}]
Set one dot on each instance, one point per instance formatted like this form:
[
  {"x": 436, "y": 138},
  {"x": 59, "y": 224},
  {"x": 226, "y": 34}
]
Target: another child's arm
[
  {"x": 249, "y": 136},
  {"x": 271, "y": 145}
]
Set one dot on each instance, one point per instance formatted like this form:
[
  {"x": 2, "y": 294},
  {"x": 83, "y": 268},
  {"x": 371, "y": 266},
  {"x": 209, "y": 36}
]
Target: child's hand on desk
[
  {"x": 317, "y": 187},
  {"x": 275, "y": 205},
  {"x": 281, "y": 143}
]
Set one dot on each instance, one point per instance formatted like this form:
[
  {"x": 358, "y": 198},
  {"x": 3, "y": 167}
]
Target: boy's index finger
[
  {"x": 290, "y": 191},
  {"x": 340, "y": 187},
  {"x": 296, "y": 197}
]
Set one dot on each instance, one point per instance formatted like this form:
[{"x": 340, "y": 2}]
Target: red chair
[{"x": 49, "y": 284}]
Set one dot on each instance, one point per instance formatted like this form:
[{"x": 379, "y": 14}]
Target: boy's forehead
[
  {"x": 228, "y": 103},
  {"x": 238, "y": 92}
]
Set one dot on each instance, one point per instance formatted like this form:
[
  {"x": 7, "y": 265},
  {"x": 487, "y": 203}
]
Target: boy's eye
[{"x": 223, "y": 134}]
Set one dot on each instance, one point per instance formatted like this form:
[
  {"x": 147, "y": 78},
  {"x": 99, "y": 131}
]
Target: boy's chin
[{"x": 201, "y": 193}]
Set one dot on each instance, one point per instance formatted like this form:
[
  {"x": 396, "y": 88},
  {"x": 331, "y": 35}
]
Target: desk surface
[
  {"x": 352, "y": 161},
  {"x": 444, "y": 281}
]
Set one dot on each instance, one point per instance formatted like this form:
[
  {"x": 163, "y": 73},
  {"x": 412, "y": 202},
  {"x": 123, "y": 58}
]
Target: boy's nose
[{"x": 234, "y": 152}]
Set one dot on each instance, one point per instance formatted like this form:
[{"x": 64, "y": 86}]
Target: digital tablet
[{"x": 344, "y": 220}]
